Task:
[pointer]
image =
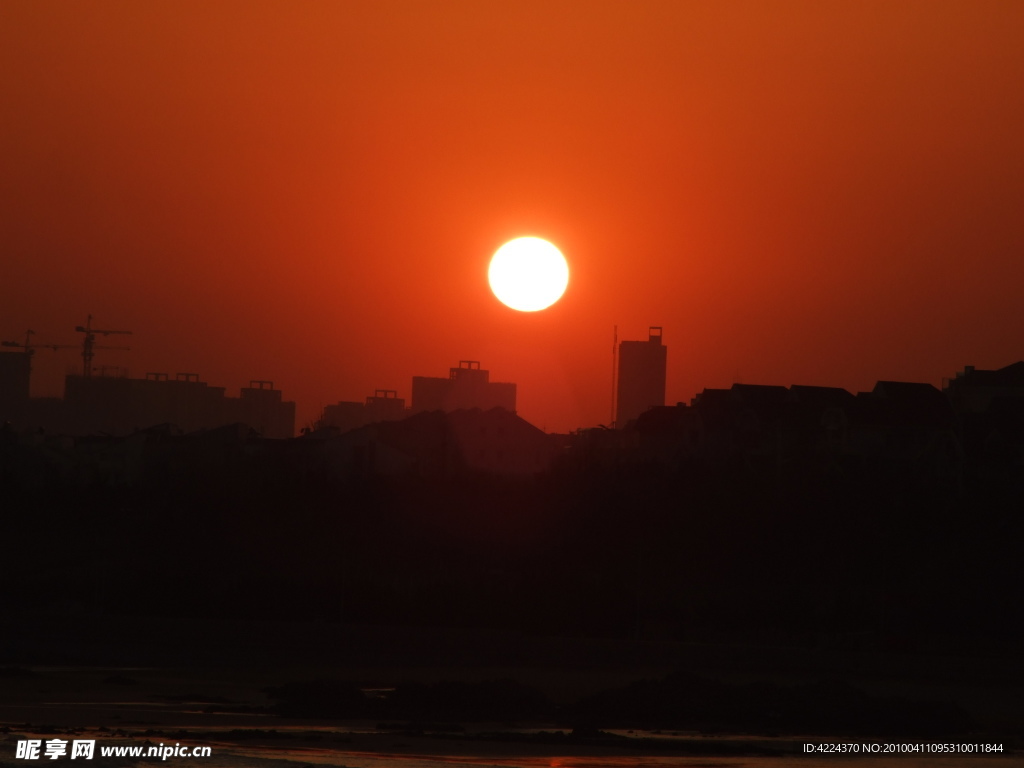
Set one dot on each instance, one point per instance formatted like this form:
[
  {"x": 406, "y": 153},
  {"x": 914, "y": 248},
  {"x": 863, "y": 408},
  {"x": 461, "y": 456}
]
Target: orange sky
[{"x": 817, "y": 192}]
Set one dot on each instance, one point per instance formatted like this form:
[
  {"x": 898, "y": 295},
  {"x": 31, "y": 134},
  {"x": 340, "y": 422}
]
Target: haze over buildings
[
  {"x": 115, "y": 404},
  {"x": 119, "y": 405},
  {"x": 467, "y": 386},
  {"x": 383, "y": 405}
]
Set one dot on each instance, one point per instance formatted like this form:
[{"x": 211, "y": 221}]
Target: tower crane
[
  {"x": 89, "y": 344},
  {"x": 30, "y": 349}
]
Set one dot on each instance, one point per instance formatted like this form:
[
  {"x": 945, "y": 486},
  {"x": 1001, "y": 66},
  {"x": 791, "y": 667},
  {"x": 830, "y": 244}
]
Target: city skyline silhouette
[
  {"x": 282, "y": 474},
  {"x": 188, "y": 402}
]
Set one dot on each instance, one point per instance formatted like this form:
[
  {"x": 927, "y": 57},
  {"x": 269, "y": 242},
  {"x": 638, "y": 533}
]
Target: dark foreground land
[
  {"x": 256, "y": 598},
  {"x": 274, "y": 687}
]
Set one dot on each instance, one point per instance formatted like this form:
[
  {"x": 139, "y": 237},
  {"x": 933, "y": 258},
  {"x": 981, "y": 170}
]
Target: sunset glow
[{"x": 802, "y": 189}]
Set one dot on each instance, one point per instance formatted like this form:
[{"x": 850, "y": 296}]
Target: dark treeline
[{"x": 803, "y": 549}]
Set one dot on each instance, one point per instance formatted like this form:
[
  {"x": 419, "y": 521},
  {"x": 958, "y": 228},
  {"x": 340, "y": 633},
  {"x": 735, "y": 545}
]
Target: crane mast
[{"x": 89, "y": 344}]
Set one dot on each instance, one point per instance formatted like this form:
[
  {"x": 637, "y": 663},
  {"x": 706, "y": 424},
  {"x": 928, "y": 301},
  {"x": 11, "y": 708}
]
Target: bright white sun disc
[{"x": 528, "y": 274}]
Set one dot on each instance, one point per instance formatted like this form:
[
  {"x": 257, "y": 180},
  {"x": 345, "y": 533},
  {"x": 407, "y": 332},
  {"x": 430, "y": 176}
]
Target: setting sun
[{"x": 528, "y": 274}]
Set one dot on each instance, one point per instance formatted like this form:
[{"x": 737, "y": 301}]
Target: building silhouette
[
  {"x": 466, "y": 387},
  {"x": 118, "y": 405},
  {"x": 990, "y": 409},
  {"x": 382, "y": 405},
  {"x": 443, "y": 443},
  {"x": 641, "y": 376},
  {"x": 974, "y": 390},
  {"x": 264, "y": 409},
  {"x": 15, "y": 370}
]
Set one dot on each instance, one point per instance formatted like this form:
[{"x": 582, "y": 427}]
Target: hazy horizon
[{"x": 800, "y": 193}]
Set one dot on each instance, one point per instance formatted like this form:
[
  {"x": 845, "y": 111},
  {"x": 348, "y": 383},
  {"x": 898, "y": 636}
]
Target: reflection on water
[{"x": 169, "y": 710}]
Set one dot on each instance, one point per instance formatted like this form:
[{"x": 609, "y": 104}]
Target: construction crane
[
  {"x": 30, "y": 349},
  {"x": 89, "y": 344}
]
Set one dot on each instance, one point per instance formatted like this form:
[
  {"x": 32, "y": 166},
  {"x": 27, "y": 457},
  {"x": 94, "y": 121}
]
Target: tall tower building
[{"x": 641, "y": 376}]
